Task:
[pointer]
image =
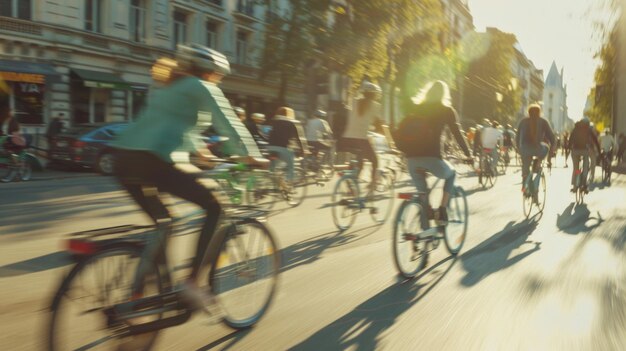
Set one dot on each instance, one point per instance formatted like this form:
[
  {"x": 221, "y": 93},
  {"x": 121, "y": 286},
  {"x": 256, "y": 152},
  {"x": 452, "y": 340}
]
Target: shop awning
[
  {"x": 96, "y": 79},
  {"x": 27, "y": 72}
]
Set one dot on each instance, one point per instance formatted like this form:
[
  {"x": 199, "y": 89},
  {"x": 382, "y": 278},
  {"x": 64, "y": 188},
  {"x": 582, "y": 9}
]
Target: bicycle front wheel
[
  {"x": 78, "y": 320},
  {"x": 380, "y": 199},
  {"x": 527, "y": 198},
  {"x": 7, "y": 173},
  {"x": 244, "y": 273},
  {"x": 410, "y": 253},
  {"x": 458, "y": 214},
  {"x": 344, "y": 203}
]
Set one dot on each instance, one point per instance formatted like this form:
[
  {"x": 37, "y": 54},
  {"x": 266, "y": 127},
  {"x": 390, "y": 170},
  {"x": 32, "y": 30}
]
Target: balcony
[
  {"x": 244, "y": 11},
  {"x": 15, "y": 25}
]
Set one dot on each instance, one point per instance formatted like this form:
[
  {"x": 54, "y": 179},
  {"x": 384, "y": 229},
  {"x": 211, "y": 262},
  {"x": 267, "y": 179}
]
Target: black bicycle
[
  {"x": 414, "y": 236},
  {"x": 93, "y": 306}
]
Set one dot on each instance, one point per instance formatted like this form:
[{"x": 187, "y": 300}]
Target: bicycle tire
[
  {"x": 7, "y": 173},
  {"x": 346, "y": 210},
  {"x": 233, "y": 260},
  {"x": 25, "y": 171},
  {"x": 140, "y": 342},
  {"x": 527, "y": 201},
  {"x": 380, "y": 202},
  {"x": 299, "y": 191},
  {"x": 260, "y": 191},
  {"x": 409, "y": 256},
  {"x": 458, "y": 215},
  {"x": 542, "y": 193}
]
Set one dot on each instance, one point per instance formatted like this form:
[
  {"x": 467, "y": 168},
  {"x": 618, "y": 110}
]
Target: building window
[
  {"x": 180, "y": 27},
  {"x": 246, "y": 7},
  {"x": 212, "y": 33},
  {"x": 242, "y": 48},
  {"x": 27, "y": 100},
  {"x": 92, "y": 16},
  {"x": 137, "y": 21},
  {"x": 16, "y": 8}
]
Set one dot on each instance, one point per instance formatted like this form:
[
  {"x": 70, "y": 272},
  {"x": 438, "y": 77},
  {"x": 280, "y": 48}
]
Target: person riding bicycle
[
  {"x": 532, "y": 134},
  {"x": 318, "y": 132},
  {"x": 11, "y": 138},
  {"x": 490, "y": 138},
  {"x": 285, "y": 128},
  {"x": 419, "y": 137},
  {"x": 365, "y": 112},
  {"x": 581, "y": 142},
  {"x": 174, "y": 115},
  {"x": 607, "y": 145}
]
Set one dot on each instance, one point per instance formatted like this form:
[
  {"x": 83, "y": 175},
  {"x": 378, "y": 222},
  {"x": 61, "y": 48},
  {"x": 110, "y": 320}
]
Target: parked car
[{"x": 86, "y": 145}]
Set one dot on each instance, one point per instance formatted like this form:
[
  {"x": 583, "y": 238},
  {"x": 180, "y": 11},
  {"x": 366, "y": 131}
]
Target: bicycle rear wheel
[
  {"x": 344, "y": 203},
  {"x": 458, "y": 214},
  {"x": 297, "y": 193},
  {"x": 410, "y": 254},
  {"x": 244, "y": 273},
  {"x": 7, "y": 173},
  {"x": 380, "y": 200},
  {"x": 527, "y": 196},
  {"x": 77, "y": 319},
  {"x": 541, "y": 193}
]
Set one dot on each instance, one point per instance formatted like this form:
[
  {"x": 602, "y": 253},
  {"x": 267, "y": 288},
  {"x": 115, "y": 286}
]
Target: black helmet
[{"x": 202, "y": 57}]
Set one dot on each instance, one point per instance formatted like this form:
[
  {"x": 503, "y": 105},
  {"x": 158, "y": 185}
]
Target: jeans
[
  {"x": 439, "y": 168},
  {"x": 286, "y": 156},
  {"x": 576, "y": 156},
  {"x": 527, "y": 152}
]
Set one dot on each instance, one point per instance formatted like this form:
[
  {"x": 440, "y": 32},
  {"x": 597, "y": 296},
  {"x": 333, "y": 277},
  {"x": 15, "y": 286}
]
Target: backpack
[
  {"x": 407, "y": 135},
  {"x": 579, "y": 138}
]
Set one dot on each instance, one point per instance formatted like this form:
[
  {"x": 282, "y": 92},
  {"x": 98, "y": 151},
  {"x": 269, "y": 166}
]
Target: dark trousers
[{"x": 144, "y": 175}]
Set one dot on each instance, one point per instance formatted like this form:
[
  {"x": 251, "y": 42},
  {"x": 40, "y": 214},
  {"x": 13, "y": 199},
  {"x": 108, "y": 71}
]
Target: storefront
[
  {"x": 98, "y": 96},
  {"x": 27, "y": 87}
]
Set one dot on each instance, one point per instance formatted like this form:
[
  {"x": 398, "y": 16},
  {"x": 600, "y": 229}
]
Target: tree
[
  {"x": 490, "y": 91},
  {"x": 602, "y": 94}
]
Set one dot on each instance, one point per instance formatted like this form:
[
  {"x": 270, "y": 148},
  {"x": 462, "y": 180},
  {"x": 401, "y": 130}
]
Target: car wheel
[{"x": 105, "y": 163}]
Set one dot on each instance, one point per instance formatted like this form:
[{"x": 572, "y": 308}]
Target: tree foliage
[
  {"x": 489, "y": 88},
  {"x": 603, "y": 93}
]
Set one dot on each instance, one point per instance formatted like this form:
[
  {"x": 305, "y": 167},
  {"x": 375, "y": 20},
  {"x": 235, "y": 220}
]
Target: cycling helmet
[
  {"x": 586, "y": 121},
  {"x": 320, "y": 113},
  {"x": 203, "y": 58},
  {"x": 369, "y": 87},
  {"x": 240, "y": 111}
]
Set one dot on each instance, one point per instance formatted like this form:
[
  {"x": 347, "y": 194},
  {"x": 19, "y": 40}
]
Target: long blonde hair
[{"x": 434, "y": 92}]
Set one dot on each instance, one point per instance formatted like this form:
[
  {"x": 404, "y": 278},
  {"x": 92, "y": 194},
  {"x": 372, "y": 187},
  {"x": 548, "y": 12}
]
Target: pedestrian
[
  {"x": 54, "y": 128},
  {"x": 621, "y": 146}
]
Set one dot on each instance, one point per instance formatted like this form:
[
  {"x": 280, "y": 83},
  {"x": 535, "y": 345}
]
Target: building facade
[
  {"x": 528, "y": 79},
  {"x": 555, "y": 99},
  {"x": 90, "y": 59}
]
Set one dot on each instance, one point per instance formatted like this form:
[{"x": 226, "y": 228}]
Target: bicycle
[
  {"x": 534, "y": 187},
  {"x": 320, "y": 166},
  {"x": 606, "y": 167},
  {"x": 579, "y": 187},
  {"x": 487, "y": 172},
  {"x": 504, "y": 160},
  {"x": 267, "y": 190},
  {"x": 14, "y": 164},
  {"x": 347, "y": 200},
  {"x": 239, "y": 270},
  {"x": 414, "y": 236}
]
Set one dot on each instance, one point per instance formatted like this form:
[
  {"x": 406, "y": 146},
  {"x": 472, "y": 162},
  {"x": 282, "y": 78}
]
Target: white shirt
[
  {"x": 489, "y": 137},
  {"x": 358, "y": 125},
  {"x": 607, "y": 142},
  {"x": 316, "y": 129}
]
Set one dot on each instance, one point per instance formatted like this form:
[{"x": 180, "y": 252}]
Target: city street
[{"x": 555, "y": 282}]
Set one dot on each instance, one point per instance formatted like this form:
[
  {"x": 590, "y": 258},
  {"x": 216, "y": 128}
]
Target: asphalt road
[{"x": 556, "y": 282}]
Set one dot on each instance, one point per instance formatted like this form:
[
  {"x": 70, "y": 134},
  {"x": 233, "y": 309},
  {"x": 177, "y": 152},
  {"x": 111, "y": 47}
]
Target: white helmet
[
  {"x": 369, "y": 87},
  {"x": 202, "y": 57}
]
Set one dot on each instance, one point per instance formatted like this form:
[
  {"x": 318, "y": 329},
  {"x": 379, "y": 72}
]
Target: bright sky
[{"x": 549, "y": 30}]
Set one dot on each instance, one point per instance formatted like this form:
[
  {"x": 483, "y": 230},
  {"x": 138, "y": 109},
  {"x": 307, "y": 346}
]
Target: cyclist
[
  {"x": 285, "y": 128},
  {"x": 182, "y": 107},
  {"x": 366, "y": 111},
  {"x": 318, "y": 132},
  {"x": 419, "y": 137},
  {"x": 250, "y": 124},
  {"x": 12, "y": 139},
  {"x": 607, "y": 145},
  {"x": 581, "y": 141},
  {"x": 490, "y": 138},
  {"x": 532, "y": 134}
]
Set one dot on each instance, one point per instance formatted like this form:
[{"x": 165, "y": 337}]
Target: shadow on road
[
  {"x": 232, "y": 339},
  {"x": 361, "y": 329},
  {"x": 575, "y": 218},
  {"x": 37, "y": 264},
  {"x": 493, "y": 254}
]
